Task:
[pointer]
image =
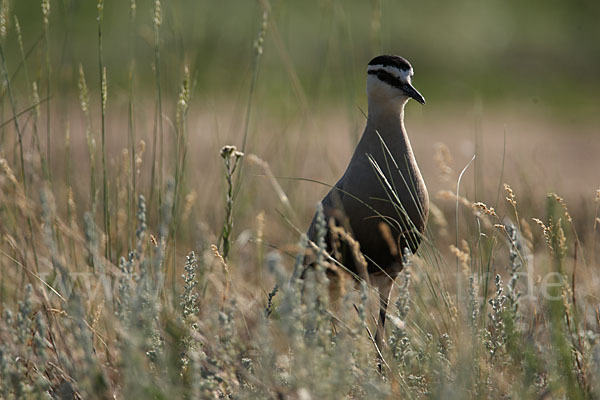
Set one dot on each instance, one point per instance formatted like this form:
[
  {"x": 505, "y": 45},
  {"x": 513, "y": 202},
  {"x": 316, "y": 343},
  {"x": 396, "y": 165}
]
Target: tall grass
[
  {"x": 48, "y": 68},
  {"x": 103, "y": 100},
  {"x": 158, "y": 117},
  {"x": 131, "y": 137},
  {"x": 83, "y": 291}
]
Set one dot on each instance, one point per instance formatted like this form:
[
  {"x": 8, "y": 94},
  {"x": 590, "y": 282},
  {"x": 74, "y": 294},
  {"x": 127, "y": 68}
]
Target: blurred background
[{"x": 540, "y": 54}]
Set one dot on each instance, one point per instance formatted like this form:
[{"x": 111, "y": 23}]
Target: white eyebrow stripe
[{"x": 401, "y": 74}]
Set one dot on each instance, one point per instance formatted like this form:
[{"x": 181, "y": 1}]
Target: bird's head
[{"x": 389, "y": 79}]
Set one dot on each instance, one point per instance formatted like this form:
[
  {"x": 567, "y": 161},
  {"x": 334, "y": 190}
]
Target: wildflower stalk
[
  {"x": 231, "y": 157},
  {"x": 189, "y": 306},
  {"x": 495, "y": 334},
  {"x": 270, "y": 307},
  {"x": 399, "y": 339},
  {"x": 189, "y": 297}
]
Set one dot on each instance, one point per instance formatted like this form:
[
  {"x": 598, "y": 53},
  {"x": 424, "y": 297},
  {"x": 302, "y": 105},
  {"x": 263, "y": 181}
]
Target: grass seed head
[
  {"x": 104, "y": 89},
  {"x": 482, "y": 208},
  {"x": 510, "y": 195},
  {"x": 451, "y": 196},
  {"x": 260, "y": 226},
  {"x": 444, "y": 161},
  {"x": 463, "y": 257},
  {"x": 84, "y": 99},
  {"x": 4, "y": 18},
  {"x": 157, "y": 14},
  {"x": 19, "y": 34},
  {"x": 190, "y": 199},
  {"x": 258, "y": 43},
  {"x": 46, "y": 11},
  {"x": 562, "y": 203},
  {"x": 561, "y": 240},
  {"x": 546, "y": 231},
  {"x": 8, "y": 171}
]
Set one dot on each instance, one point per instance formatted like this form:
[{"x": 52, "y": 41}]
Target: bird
[{"x": 380, "y": 203}]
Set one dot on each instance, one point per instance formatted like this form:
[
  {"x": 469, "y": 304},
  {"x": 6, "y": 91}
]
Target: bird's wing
[{"x": 332, "y": 201}]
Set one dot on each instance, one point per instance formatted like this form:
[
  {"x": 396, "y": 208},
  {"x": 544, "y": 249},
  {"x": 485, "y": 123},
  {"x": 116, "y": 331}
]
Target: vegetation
[{"x": 142, "y": 255}]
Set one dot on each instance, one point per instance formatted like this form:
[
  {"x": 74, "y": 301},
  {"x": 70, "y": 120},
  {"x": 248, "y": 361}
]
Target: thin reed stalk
[
  {"x": 84, "y": 103},
  {"x": 4, "y": 15},
  {"x": 158, "y": 125},
  {"x": 180, "y": 158},
  {"x": 258, "y": 52},
  {"x": 132, "y": 192},
  {"x": 181, "y": 142},
  {"x": 46, "y": 17},
  {"x": 103, "y": 98}
]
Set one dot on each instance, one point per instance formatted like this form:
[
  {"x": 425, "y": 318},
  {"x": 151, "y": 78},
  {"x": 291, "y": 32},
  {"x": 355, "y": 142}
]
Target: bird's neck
[{"x": 386, "y": 120}]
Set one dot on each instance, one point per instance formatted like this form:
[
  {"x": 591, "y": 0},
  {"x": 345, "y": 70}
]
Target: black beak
[{"x": 413, "y": 93}]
